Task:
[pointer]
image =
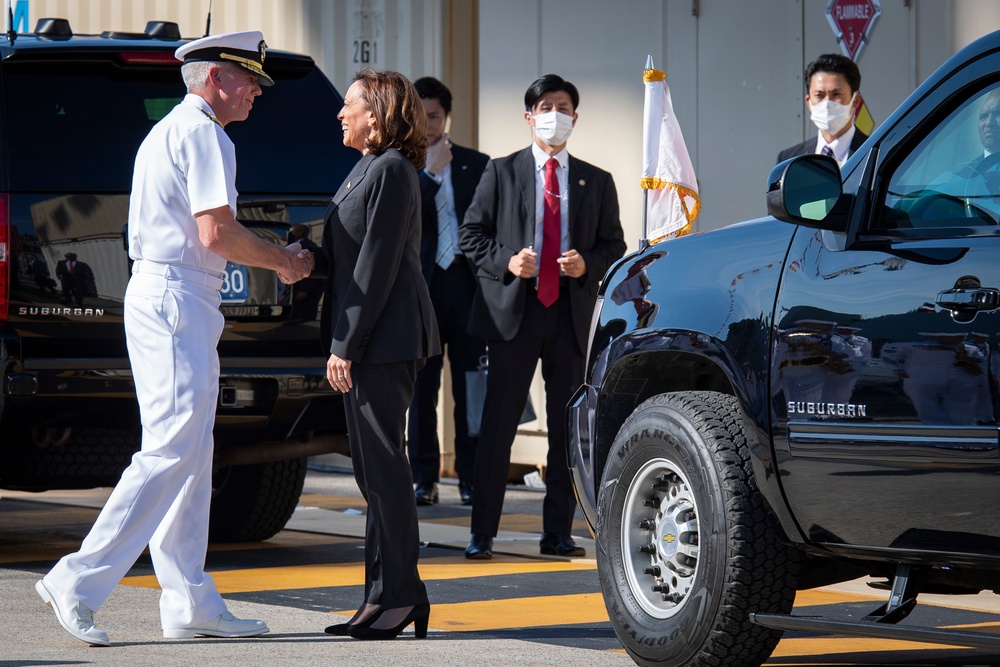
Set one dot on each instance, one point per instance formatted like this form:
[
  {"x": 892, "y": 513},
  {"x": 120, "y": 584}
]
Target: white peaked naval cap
[{"x": 245, "y": 49}]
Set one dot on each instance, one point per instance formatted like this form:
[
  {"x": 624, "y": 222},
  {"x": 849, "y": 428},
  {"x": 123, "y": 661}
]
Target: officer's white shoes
[
  {"x": 75, "y": 617},
  {"x": 223, "y": 625}
]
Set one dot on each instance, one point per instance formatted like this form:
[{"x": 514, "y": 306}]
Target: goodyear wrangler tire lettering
[{"x": 679, "y": 483}]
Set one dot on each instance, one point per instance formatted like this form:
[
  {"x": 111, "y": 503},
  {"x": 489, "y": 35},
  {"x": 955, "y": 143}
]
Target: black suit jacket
[
  {"x": 809, "y": 146},
  {"x": 467, "y": 168},
  {"x": 81, "y": 276},
  {"x": 377, "y": 308},
  {"x": 501, "y": 221}
]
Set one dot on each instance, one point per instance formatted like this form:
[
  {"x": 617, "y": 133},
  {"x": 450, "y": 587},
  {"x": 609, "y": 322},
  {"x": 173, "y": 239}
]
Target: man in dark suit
[
  {"x": 447, "y": 183},
  {"x": 77, "y": 279},
  {"x": 542, "y": 231},
  {"x": 40, "y": 272},
  {"x": 832, "y": 84}
]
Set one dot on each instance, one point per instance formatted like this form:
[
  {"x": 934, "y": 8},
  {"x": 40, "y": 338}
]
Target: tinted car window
[
  {"x": 77, "y": 127},
  {"x": 947, "y": 180}
]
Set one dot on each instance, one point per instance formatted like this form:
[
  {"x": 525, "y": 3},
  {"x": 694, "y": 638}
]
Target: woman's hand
[{"x": 338, "y": 373}]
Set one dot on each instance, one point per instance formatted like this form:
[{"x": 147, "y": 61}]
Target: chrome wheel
[{"x": 660, "y": 538}]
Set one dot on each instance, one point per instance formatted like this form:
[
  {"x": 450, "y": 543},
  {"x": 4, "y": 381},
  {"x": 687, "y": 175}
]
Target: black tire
[
  {"x": 716, "y": 548},
  {"x": 253, "y": 502},
  {"x": 83, "y": 458}
]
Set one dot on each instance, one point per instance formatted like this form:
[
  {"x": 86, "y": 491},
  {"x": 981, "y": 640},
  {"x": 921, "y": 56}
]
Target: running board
[{"x": 881, "y": 631}]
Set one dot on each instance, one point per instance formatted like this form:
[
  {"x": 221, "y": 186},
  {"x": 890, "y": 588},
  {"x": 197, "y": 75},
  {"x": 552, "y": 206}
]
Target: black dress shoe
[
  {"x": 427, "y": 494},
  {"x": 480, "y": 547},
  {"x": 554, "y": 544},
  {"x": 362, "y": 618},
  {"x": 340, "y": 629},
  {"x": 418, "y": 615},
  {"x": 465, "y": 492}
]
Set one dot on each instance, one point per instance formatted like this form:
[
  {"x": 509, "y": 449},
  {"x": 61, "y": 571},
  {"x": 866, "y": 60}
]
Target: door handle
[{"x": 981, "y": 298}]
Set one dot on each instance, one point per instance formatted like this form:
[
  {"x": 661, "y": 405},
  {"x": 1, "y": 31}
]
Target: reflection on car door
[{"x": 884, "y": 366}]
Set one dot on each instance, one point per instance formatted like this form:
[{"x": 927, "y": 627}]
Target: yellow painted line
[
  {"x": 353, "y": 574},
  {"x": 832, "y": 647},
  {"x": 986, "y": 628},
  {"x": 817, "y": 596},
  {"x": 533, "y": 612}
]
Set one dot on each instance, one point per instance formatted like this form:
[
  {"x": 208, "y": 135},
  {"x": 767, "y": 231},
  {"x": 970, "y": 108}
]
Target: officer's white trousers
[{"x": 172, "y": 327}]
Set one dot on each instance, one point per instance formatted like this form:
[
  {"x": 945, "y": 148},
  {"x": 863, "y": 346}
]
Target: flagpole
[
  {"x": 643, "y": 241},
  {"x": 643, "y": 234}
]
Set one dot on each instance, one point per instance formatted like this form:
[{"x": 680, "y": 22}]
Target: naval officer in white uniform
[{"x": 181, "y": 231}]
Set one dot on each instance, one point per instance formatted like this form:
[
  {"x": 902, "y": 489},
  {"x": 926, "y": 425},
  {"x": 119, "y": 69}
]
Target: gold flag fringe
[{"x": 653, "y": 75}]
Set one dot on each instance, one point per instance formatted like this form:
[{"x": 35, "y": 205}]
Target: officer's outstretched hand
[{"x": 300, "y": 264}]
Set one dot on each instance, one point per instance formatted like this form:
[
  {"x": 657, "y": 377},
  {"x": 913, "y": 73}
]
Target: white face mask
[
  {"x": 553, "y": 127},
  {"x": 830, "y": 116}
]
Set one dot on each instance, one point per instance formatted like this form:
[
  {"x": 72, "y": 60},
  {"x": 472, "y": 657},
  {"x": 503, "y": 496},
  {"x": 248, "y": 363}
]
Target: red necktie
[{"x": 548, "y": 269}]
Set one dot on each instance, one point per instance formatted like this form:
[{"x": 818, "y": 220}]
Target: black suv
[
  {"x": 73, "y": 111},
  {"x": 808, "y": 398}
]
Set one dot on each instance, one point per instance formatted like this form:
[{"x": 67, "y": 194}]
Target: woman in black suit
[{"x": 379, "y": 326}]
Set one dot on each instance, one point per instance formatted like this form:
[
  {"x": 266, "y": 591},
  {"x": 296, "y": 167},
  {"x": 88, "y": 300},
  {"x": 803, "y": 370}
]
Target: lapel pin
[{"x": 348, "y": 185}]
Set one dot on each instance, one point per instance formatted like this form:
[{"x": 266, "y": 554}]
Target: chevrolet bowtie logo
[{"x": 669, "y": 538}]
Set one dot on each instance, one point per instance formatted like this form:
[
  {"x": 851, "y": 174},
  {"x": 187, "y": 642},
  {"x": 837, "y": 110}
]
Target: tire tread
[
  {"x": 255, "y": 501},
  {"x": 754, "y": 546}
]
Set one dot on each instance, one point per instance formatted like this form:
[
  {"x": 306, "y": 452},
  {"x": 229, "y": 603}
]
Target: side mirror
[{"x": 804, "y": 191}]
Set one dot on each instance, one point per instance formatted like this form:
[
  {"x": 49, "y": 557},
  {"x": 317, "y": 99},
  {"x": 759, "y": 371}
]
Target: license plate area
[
  {"x": 235, "y": 284},
  {"x": 252, "y": 292}
]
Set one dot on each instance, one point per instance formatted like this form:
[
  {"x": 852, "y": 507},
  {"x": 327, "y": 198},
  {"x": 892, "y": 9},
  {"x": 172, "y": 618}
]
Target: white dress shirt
[
  {"x": 562, "y": 173},
  {"x": 841, "y": 146},
  {"x": 186, "y": 165}
]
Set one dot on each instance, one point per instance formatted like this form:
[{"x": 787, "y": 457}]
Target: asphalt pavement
[
  {"x": 32, "y": 637},
  {"x": 287, "y": 582},
  {"x": 445, "y": 524}
]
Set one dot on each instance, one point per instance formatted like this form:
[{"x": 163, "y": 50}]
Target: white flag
[{"x": 667, "y": 173}]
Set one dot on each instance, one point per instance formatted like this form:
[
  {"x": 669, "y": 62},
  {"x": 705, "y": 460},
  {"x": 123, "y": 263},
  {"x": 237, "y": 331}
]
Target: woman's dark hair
[{"x": 400, "y": 120}]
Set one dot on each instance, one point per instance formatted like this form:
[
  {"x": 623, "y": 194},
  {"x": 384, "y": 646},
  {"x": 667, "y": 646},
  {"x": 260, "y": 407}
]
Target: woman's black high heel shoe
[
  {"x": 418, "y": 615},
  {"x": 366, "y": 616}
]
